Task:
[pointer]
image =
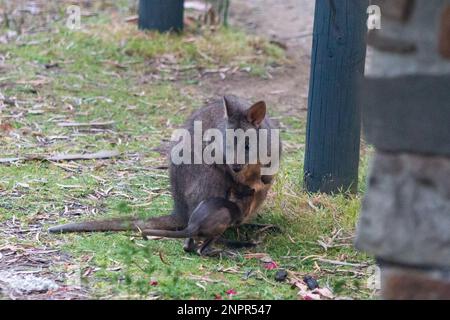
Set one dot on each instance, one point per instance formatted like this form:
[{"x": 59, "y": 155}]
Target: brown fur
[{"x": 251, "y": 177}]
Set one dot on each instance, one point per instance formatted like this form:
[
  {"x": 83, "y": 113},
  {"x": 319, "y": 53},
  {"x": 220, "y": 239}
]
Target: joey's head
[{"x": 243, "y": 123}]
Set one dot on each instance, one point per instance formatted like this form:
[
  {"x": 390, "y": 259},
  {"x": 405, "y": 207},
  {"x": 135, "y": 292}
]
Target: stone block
[
  {"x": 444, "y": 34},
  {"x": 398, "y": 10},
  {"x": 405, "y": 216},
  {"x": 399, "y": 283}
]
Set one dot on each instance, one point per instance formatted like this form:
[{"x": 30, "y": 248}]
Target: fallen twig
[
  {"x": 104, "y": 154},
  {"x": 163, "y": 260},
  {"x": 85, "y": 124},
  {"x": 132, "y": 19},
  {"x": 342, "y": 263}
]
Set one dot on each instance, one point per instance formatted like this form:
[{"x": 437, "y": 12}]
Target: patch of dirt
[{"x": 288, "y": 23}]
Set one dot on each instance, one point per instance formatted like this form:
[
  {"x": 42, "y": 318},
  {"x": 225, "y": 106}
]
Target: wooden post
[
  {"x": 334, "y": 117},
  {"x": 161, "y": 15}
]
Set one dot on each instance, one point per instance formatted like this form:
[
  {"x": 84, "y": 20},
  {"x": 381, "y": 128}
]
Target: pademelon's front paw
[{"x": 189, "y": 245}]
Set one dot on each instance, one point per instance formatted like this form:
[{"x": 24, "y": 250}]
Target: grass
[{"x": 108, "y": 71}]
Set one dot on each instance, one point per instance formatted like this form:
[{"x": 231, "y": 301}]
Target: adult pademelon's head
[{"x": 244, "y": 122}]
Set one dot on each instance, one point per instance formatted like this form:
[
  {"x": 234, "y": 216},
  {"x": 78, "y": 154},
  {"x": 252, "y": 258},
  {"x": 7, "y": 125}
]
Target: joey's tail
[
  {"x": 189, "y": 232},
  {"x": 169, "y": 222}
]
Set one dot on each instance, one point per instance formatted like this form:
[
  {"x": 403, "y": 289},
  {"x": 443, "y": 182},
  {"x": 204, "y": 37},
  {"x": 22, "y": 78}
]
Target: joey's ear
[
  {"x": 226, "y": 107},
  {"x": 256, "y": 113}
]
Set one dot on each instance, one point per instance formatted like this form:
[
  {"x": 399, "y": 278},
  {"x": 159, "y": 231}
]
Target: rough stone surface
[
  {"x": 407, "y": 114},
  {"x": 26, "y": 284},
  {"x": 422, "y": 29},
  {"x": 412, "y": 284},
  {"x": 406, "y": 212},
  {"x": 399, "y": 10}
]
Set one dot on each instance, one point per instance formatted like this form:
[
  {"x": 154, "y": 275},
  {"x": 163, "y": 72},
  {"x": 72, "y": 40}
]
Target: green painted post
[
  {"x": 161, "y": 15},
  {"x": 334, "y": 116}
]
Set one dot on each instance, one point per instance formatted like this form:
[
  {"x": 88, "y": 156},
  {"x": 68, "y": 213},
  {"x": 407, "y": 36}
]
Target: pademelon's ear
[
  {"x": 226, "y": 107},
  {"x": 256, "y": 113}
]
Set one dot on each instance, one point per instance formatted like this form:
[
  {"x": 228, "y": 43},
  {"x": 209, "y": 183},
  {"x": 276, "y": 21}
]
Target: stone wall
[{"x": 405, "y": 218}]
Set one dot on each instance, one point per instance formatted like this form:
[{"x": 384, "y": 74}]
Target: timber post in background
[
  {"x": 161, "y": 15},
  {"x": 334, "y": 118},
  {"x": 405, "y": 218}
]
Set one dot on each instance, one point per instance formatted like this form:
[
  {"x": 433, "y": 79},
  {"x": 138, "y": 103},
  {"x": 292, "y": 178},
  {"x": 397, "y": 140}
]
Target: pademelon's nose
[{"x": 236, "y": 167}]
